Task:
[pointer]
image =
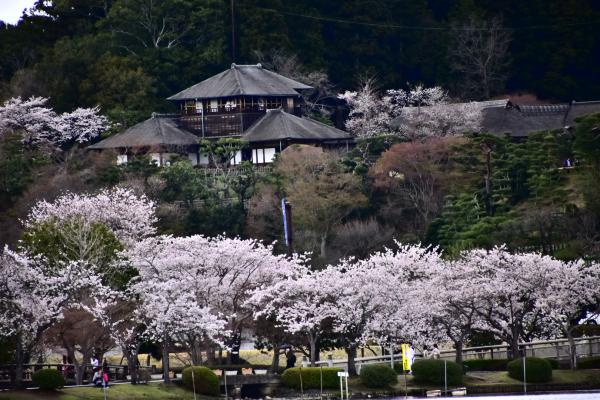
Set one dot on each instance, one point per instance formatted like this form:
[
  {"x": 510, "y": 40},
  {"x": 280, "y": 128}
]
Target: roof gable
[
  {"x": 280, "y": 125},
  {"x": 242, "y": 80},
  {"x": 155, "y": 131}
]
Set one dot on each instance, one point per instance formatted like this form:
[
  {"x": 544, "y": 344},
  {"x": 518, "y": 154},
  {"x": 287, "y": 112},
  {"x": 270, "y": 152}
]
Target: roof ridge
[
  {"x": 237, "y": 79},
  {"x": 159, "y": 126},
  {"x": 285, "y": 122}
]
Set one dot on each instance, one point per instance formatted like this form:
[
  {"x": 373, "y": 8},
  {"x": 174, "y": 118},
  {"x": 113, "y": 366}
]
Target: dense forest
[
  {"x": 457, "y": 192},
  {"x": 128, "y": 55}
]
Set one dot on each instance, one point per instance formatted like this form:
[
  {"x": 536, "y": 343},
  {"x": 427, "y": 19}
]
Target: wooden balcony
[{"x": 222, "y": 124}]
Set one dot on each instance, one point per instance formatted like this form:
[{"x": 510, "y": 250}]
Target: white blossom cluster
[
  {"x": 200, "y": 289},
  {"x": 415, "y": 113},
  {"x": 39, "y": 124}
]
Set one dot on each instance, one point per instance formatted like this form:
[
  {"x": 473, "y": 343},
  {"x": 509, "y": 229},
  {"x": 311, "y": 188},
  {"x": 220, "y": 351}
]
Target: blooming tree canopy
[
  {"x": 197, "y": 288},
  {"x": 414, "y": 113},
  {"x": 41, "y": 125},
  {"x": 301, "y": 304},
  {"x": 129, "y": 216}
]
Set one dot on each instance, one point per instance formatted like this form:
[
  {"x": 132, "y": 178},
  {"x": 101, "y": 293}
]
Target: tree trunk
[
  {"x": 210, "y": 355},
  {"x": 79, "y": 366},
  {"x": 275, "y": 362},
  {"x": 165, "y": 360},
  {"x": 313, "y": 350},
  {"x": 458, "y": 345},
  {"x": 323, "y": 250},
  {"x": 514, "y": 347},
  {"x": 572, "y": 350},
  {"x": 351, "y": 352},
  {"x": 19, "y": 361},
  {"x": 132, "y": 365},
  {"x": 488, "y": 182},
  {"x": 196, "y": 352}
]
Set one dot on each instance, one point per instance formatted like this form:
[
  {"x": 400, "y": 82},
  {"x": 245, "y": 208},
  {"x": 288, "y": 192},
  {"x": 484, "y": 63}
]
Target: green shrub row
[
  {"x": 485, "y": 365},
  {"x": 204, "y": 380},
  {"x": 538, "y": 370},
  {"x": 311, "y": 378},
  {"x": 48, "y": 379},
  {"x": 378, "y": 376},
  {"x": 588, "y": 363},
  {"x": 496, "y": 365},
  {"x": 432, "y": 372}
]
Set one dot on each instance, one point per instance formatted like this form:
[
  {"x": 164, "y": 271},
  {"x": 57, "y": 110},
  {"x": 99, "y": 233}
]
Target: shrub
[
  {"x": 378, "y": 376},
  {"x": 432, "y": 372},
  {"x": 205, "y": 380},
  {"x": 485, "y": 365},
  {"x": 538, "y": 369},
  {"x": 588, "y": 363},
  {"x": 311, "y": 378},
  {"x": 48, "y": 379},
  {"x": 553, "y": 363}
]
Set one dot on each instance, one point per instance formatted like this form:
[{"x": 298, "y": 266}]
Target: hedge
[
  {"x": 311, "y": 378},
  {"x": 497, "y": 364},
  {"x": 485, "y": 365},
  {"x": 539, "y": 370},
  {"x": 48, "y": 379},
  {"x": 432, "y": 372},
  {"x": 378, "y": 376},
  {"x": 205, "y": 380},
  {"x": 588, "y": 363}
]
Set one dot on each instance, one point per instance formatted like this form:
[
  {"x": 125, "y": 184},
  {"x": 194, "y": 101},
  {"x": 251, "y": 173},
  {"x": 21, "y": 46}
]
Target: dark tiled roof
[
  {"x": 521, "y": 120},
  {"x": 279, "y": 125},
  {"x": 248, "y": 80},
  {"x": 156, "y": 131}
]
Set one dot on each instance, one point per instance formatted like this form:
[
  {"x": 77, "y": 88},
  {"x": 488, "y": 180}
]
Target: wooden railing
[{"x": 115, "y": 372}]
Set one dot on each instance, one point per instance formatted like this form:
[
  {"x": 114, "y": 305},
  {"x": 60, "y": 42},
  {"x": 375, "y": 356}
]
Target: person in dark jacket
[{"x": 290, "y": 359}]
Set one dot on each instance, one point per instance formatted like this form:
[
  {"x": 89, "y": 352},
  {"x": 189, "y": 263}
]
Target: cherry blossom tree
[
  {"x": 300, "y": 304},
  {"x": 569, "y": 298},
  {"x": 369, "y": 116},
  {"x": 414, "y": 113},
  {"x": 129, "y": 216},
  {"x": 509, "y": 286},
  {"x": 40, "y": 125},
  {"x": 195, "y": 289},
  {"x": 34, "y": 297},
  {"x": 119, "y": 313},
  {"x": 451, "y": 305}
]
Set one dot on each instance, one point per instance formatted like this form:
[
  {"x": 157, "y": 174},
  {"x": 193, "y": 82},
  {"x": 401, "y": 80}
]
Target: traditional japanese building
[{"x": 245, "y": 101}]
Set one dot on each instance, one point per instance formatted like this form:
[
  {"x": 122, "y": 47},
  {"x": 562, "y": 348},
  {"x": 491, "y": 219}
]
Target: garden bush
[
  {"x": 432, "y": 372},
  {"x": 311, "y": 378},
  {"x": 588, "y": 363},
  {"x": 205, "y": 380},
  {"x": 538, "y": 370},
  {"x": 486, "y": 365},
  {"x": 48, "y": 379},
  {"x": 378, "y": 376}
]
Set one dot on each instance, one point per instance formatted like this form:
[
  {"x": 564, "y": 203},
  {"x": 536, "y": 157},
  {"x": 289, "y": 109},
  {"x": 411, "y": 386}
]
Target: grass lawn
[
  {"x": 150, "y": 391},
  {"x": 558, "y": 376}
]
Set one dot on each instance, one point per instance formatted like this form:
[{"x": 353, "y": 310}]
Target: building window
[
  {"x": 263, "y": 156},
  {"x": 121, "y": 159},
  {"x": 237, "y": 159},
  {"x": 204, "y": 159},
  {"x": 193, "y": 157}
]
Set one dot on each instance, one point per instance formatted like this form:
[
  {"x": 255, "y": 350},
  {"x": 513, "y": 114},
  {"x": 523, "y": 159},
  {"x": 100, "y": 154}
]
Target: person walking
[
  {"x": 290, "y": 359},
  {"x": 435, "y": 352}
]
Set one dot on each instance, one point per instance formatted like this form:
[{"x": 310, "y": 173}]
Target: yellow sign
[{"x": 406, "y": 357}]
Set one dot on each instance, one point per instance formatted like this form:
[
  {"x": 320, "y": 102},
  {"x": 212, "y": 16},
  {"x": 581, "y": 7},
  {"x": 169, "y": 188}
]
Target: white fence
[{"x": 557, "y": 349}]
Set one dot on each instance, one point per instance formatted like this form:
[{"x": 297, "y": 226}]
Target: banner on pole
[
  {"x": 285, "y": 222},
  {"x": 406, "y": 357}
]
